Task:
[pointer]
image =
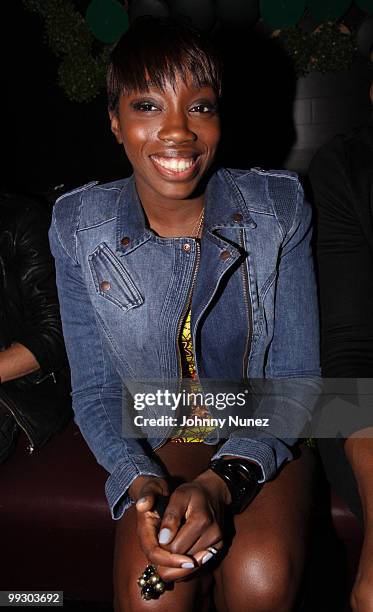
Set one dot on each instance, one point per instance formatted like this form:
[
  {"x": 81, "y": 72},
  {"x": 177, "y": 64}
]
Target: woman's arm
[
  {"x": 359, "y": 452},
  {"x": 291, "y": 386},
  {"x": 98, "y": 404},
  {"x": 16, "y": 361},
  {"x": 97, "y": 390}
]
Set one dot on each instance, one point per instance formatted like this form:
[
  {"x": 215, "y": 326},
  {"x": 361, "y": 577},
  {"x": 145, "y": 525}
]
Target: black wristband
[{"x": 241, "y": 477}]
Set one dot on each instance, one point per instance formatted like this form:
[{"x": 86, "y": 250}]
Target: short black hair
[{"x": 154, "y": 51}]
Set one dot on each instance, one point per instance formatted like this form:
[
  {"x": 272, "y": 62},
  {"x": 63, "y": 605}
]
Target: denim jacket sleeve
[
  {"x": 96, "y": 386},
  {"x": 292, "y": 367}
]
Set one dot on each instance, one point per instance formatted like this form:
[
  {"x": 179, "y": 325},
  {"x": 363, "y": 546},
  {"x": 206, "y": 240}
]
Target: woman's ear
[{"x": 115, "y": 126}]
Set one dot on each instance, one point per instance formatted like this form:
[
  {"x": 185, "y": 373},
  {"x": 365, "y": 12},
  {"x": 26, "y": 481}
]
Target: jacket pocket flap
[{"x": 112, "y": 281}]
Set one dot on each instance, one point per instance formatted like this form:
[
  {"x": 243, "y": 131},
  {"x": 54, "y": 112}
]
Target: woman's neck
[{"x": 173, "y": 218}]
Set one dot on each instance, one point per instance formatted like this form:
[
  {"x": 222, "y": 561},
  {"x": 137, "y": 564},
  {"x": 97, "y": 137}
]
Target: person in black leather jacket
[{"x": 34, "y": 390}]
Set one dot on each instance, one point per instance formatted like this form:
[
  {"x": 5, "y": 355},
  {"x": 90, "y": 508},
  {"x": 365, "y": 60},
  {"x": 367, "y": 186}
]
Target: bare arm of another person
[
  {"x": 37, "y": 342},
  {"x": 17, "y": 361},
  {"x": 359, "y": 451}
]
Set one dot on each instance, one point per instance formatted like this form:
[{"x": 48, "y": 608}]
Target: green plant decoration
[
  {"x": 330, "y": 48},
  {"x": 334, "y": 49},
  {"x": 298, "y": 45},
  {"x": 83, "y": 58},
  {"x": 81, "y": 73}
]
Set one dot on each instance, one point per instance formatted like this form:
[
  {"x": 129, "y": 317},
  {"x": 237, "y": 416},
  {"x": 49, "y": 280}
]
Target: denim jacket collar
[{"x": 225, "y": 207}]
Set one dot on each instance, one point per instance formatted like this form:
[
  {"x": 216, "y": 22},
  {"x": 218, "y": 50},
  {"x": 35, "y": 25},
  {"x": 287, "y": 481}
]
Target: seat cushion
[{"x": 56, "y": 530}]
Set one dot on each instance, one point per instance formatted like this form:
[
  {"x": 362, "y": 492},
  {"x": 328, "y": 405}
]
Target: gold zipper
[
  {"x": 247, "y": 299},
  {"x": 180, "y": 322},
  {"x": 185, "y": 310}
]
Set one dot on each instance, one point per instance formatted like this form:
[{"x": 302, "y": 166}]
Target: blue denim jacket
[{"x": 254, "y": 309}]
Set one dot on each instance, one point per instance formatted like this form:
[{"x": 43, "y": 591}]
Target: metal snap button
[
  {"x": 237, "y": 217},
  {"x": 125, "y": 241},
  {"x": 186, "y": 247},
  {"x": 224, "y": 255},
  {"x": 105, "y": 286}
]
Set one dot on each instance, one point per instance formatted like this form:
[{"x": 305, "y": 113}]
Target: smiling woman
[
  {"x": 168, "y": 122},
  {"x": 187, "y": 274},
  {"x": 170, "y": 137}
]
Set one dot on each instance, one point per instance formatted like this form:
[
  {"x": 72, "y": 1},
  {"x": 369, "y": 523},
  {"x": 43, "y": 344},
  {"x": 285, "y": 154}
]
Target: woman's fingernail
[
  {"x": 187, "y": 565},
  {"x": 141, "y": 500},
  {"x": 164, "y": 536},
  {"x": 207, "y": 557}
]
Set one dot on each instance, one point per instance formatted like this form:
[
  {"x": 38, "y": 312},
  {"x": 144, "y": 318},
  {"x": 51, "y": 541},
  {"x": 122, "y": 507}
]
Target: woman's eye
[
  {"x": 144, "y": 107},
  {"x": 204, "y": 108}
]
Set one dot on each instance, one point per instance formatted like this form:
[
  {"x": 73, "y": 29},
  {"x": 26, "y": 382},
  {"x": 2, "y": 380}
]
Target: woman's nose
[{"x": 176, "y": 129}]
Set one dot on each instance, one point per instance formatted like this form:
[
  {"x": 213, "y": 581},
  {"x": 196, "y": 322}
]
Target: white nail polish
[
  {"x": 207, "y": 557},
  {"x": 164, "y": 536},
  {"x": 187, "y": 565},
  {"x": 141, "y": 500}
]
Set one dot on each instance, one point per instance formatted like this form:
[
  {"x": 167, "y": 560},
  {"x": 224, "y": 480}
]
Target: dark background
[
  {"x": 48, "y": 140},
  {"x": 271, "y": 119}
]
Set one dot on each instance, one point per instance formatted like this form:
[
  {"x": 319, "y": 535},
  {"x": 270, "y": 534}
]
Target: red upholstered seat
[{"x": 56, "y": 530}]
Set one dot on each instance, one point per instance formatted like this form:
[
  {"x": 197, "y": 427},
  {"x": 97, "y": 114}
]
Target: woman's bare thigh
[{"x": 263, "y": 565}]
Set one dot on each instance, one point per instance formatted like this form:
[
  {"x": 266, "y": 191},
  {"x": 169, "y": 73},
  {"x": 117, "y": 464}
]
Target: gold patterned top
[{"x": 196, "y": 433}]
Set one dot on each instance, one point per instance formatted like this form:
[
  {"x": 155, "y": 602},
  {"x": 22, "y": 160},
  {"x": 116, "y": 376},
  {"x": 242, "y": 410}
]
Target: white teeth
[{"x": 173, "y": 163}]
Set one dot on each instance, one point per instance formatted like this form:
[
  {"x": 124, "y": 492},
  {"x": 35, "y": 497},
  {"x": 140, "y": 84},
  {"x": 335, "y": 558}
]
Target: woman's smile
[{"x": 175, "y": 167}]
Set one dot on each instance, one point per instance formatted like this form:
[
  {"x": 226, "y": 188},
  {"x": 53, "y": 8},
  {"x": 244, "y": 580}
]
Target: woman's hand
[
  {"x": 144, "y": 491},
  {"x": 192, "y": 522}
]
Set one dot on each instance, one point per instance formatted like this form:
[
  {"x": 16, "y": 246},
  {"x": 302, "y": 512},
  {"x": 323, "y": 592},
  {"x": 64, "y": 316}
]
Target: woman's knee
[
  {"x": 129, "y": 564},
  {"x": 264, "y": 581},
  {"x": 182, "y": 596}
]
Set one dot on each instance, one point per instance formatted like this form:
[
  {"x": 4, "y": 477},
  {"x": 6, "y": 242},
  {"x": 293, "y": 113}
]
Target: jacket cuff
[
  {"x": 121, "y": 479},
  {"x": 255, "y": 450}
]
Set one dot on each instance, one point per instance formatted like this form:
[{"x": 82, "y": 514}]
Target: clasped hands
[{"x": 192, "y": 522}]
